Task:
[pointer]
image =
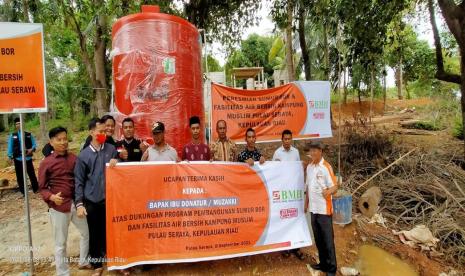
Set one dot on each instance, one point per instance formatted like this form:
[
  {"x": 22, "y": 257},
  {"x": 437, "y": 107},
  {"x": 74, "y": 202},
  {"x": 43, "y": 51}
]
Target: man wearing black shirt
[
  {"x": 251, "y": 153},
  {"x": 130, "y": 149}
]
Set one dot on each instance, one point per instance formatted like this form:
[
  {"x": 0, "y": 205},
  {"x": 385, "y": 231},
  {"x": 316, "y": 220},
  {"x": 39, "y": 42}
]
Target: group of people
[{"x": 74, "y": 186}]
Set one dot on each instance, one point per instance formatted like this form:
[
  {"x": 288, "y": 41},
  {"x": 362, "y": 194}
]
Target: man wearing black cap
[
  {"x": 160, "y": 151},
  {"x": 195, "y": 150},
  {"x": 15, "y": 155},
  {"x": 321, "y": 185}
]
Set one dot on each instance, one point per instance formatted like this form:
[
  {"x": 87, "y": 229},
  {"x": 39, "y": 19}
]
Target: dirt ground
[{"x": 13, "y": 234}]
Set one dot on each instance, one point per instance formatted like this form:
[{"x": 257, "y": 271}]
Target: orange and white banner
[
  {"x": 22, "y": 73},
  {"x": 188, "y": 212},
  {"x": 302, "y": 107}
]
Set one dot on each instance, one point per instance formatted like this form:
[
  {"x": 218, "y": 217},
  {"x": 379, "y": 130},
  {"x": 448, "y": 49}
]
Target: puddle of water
[{"x": 376, "y": 261}]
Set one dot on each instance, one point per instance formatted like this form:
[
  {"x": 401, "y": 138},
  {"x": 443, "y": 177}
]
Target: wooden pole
[{"x": 383, "y": 170}]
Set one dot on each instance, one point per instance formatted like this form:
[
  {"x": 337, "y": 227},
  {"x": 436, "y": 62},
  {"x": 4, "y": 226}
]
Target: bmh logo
[
  {"x": 276, "y": 196},
  {"x": 288, "y": 195},
  {"x": 288, "y": 213},
  {"x": 322, "y": 104}
]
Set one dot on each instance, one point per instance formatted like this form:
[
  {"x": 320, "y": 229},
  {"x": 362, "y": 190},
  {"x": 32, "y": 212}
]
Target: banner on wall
[
  {"x": 22, "y": 73},
  {"x": 170, "y": 213},
  {"x": 302, "y": 107}
]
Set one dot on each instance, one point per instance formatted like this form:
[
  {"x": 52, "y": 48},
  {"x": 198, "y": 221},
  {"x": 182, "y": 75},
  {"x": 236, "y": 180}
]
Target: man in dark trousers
[
  {"x": 14, "y": 154},
  {"x": 321, "y": 185},
  {"x": 89, "y": 174},
  {"x": 130, "y": 149}
]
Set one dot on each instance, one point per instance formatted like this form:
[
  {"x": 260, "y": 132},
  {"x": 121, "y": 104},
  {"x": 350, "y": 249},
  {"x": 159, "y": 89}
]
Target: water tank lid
[
  {"x": 150, "y": 12},
  {"x": 150, "y": 8}
]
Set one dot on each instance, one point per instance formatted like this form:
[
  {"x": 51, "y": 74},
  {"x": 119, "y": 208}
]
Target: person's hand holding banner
[
  {"x": 81, "y": 211},
  {"x": 199, "y": 211},
  {"x": 113, "y": 163},
  {"x": 250, "y": 161}
]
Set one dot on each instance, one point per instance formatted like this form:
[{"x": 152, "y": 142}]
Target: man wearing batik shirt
[
  {"x": 195, "y": 150},
  {"x": 251, "y": 153},
  {"x": 223, "y": 149}
]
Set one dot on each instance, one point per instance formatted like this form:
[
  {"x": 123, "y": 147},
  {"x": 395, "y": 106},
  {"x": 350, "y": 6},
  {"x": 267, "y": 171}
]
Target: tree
[
  {"x": 29, "y": 15},
  {"x": 277, "y": 54},
  {"x": 302, "y": 16},
  {"x": 454, "y": 15},
  {"x": 365, "y": 25},
  {"x": 411, "y": 58},
  {"x": 213, "y": 64},
  {"x": 89, "y": 20},
  {"x": 289, "y": 51},
  {"x": 223, "y": 20},
  {"x": 283, "y": 15},
  {"x": 254, "y": 52}
]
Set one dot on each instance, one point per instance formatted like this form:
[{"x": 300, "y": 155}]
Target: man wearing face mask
[
  {"x": 89, "y": 175},
  {"x": 195, "y": 150},
  {"x": 109, "y": 123}
]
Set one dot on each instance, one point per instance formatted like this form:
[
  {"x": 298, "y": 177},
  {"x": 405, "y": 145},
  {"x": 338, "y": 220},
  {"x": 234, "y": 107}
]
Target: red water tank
[{"x": 157, "y": 73}]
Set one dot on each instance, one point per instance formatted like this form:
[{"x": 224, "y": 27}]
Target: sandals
[
  {"x": 85, "y": 267},
  {"x": 124, "y": 272},
  {"x": 299, "y": 255},
  {"x": 98, "y": 271}
]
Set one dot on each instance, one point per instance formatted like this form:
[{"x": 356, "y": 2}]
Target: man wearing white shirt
[
  {"x": 287, "y": 153},
  {"x": 321, "y": 185}
]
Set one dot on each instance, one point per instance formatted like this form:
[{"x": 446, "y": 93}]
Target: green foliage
[
  {"x": 213, "y": 64},
  {"x": 457, "y": 130},
  {"x": 223, "y": 20},
  {"x": 254, "y": 52},
  {"x": 426, "y": 125},
  {"x": 277, "y": 54},
  {"x": 417, "y": 59},
  {"x": 441, "y": 113},
  {"x": 365, "y": 25},
  {"x": 32, "y": 124}
]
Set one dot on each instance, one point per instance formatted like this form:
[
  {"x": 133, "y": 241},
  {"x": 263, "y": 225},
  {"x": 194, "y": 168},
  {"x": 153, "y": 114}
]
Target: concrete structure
[
  {"x": 254, "y": 76},
  {"x": 280, "y": 77}
]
